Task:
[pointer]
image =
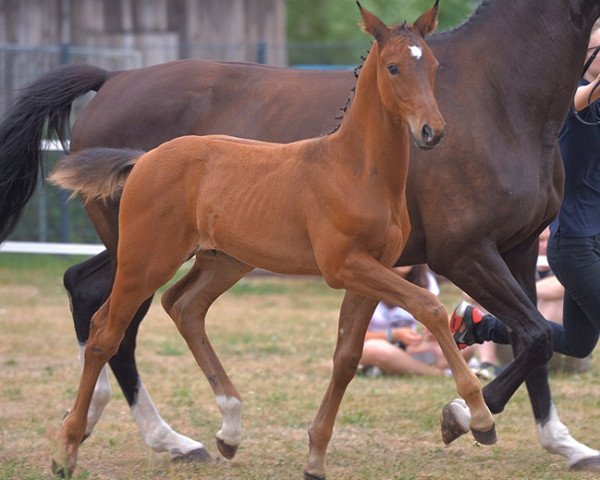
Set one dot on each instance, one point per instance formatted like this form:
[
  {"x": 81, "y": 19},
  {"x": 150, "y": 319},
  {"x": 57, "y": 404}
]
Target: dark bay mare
[{"x": 477, "y": 203}]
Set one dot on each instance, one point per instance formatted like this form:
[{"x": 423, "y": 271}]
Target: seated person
[{"x": 393, "y": 343}]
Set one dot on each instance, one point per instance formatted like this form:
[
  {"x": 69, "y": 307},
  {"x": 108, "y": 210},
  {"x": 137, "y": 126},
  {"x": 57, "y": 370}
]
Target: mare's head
[{"x": 406, "y": 70}]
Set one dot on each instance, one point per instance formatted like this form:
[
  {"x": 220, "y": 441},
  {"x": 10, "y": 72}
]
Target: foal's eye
[{"x": 393, "y": 69}]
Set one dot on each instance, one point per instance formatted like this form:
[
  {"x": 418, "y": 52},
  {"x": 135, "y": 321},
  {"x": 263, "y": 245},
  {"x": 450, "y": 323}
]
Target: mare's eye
[{"x": 393, "y": 69}]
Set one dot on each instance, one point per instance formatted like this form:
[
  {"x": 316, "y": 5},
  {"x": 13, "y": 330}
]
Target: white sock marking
[
  {"x": 157, "y": 434},
  {"x": 555, "y": 438},
  {"x": 462, "y": 413},
  {"x": 231, "y": 410}
]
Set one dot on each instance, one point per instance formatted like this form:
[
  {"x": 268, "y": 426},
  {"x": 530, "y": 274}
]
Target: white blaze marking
[
  {"x": 555, "y": 437},
  {"x": 416, "y": 51}
]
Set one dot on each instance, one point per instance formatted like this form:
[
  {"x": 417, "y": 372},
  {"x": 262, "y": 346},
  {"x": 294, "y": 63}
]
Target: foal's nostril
[{"x": 427, "y": 134}]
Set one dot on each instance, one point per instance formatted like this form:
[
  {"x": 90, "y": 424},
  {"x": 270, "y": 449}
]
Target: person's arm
[{"x": 582, "y": 95}]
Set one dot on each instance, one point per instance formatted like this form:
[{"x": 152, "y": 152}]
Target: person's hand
[
  {"x": 582, "y": 95},
  {"x": 407, "y": 336}
]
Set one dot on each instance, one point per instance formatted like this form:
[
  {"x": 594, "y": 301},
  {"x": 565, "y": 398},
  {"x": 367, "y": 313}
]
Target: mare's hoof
[
  {"x": 308, "y": 476},
  {"x": 228, "y": 451},
  {"x": 588, "y": 464},
  {"x": 198, "y": 455},
  {"x": 61, "y": 471},
  {"x": 454, "y": 420},
  {"x": 485, "y": 438}
]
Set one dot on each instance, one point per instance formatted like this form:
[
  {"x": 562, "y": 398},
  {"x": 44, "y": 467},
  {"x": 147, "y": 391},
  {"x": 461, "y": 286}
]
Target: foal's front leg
[{"x": 363, "y": 274}]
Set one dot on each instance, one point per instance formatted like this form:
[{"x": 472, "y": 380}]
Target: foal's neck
[{"x": 375, "y": 139}]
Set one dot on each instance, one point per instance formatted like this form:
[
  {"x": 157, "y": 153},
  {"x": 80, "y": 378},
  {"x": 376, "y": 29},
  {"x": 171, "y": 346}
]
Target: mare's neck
[
  {"x": 376, "y": 142},
  {"x": 531, "y": 52}
]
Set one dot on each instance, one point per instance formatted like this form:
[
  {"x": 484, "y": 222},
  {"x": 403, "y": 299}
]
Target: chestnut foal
[{"x": 333, "y": 206}]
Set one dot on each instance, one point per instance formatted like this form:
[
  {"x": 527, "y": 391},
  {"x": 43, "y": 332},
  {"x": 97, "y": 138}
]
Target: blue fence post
[{"x": 261, "y": 54}]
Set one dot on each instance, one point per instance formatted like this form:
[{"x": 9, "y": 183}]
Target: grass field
[{"x": 276, "y": 338}]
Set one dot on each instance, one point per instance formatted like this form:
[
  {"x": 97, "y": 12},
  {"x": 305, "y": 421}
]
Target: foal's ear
[
  {"x": 372, "y": 25},
  {"x": 427, "y": 22}
]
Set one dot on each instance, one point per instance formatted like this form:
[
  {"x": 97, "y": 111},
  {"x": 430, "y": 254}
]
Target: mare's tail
[
  {"x": 47, "y": 99},
  {"x": 95, "y": 173}
]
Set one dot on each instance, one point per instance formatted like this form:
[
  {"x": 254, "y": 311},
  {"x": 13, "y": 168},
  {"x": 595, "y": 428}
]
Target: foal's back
[{"x": 242, "y": 196}]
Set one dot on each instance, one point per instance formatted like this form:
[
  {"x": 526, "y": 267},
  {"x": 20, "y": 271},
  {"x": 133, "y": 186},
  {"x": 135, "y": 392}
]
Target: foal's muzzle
[{"x": 429, "y": 136}]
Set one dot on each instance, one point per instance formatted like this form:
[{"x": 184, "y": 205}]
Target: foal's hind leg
[
  {"x": 187, "y": 302},
  {"x": 88, "y": 285},
  {"x": 136, "y": 280}
]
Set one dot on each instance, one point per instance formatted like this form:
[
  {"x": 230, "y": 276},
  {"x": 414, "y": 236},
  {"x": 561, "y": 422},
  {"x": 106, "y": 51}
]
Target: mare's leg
[
  {"x": 137, "y": 278},
  {"x": 88, "y": 285},
  {"x": 554, "y": 435},
  {"x": 485, "y": 276},
  {"x": 187, "y": 302},
  {"x": 366, "y": 277}
]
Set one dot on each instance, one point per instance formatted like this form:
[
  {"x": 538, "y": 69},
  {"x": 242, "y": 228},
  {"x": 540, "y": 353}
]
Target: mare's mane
[{"x": 472, "y": 19}]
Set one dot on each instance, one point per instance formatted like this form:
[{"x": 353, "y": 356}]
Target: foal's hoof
[
  {"x": 455, "y": 420},
  {"x": 485, "y": 438},
  {"x": 588, "y": 464},
  {"x": 61, "y": 471},
  {"x": 308, "y": 476},
  {"x": 198, "y": 455},
  {"x": 228, "y": 451}
]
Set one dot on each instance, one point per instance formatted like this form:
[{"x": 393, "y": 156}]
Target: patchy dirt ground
[{"x": 275, "y": 338}]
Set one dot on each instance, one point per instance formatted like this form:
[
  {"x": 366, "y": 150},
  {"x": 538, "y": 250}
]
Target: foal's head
[{"x": 406, "y": 72}]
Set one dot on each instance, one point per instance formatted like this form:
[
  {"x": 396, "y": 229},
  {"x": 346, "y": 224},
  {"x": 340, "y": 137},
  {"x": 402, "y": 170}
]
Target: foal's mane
[{"x": 356, "y": 72}]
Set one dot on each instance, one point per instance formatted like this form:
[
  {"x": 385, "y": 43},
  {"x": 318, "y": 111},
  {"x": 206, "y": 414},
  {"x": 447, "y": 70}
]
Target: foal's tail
[
  {"x": 47, "y": 99},
  {"x": 95, "y": 173}
]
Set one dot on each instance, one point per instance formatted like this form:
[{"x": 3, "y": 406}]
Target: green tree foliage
[{"x": 326, "y": 31}]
